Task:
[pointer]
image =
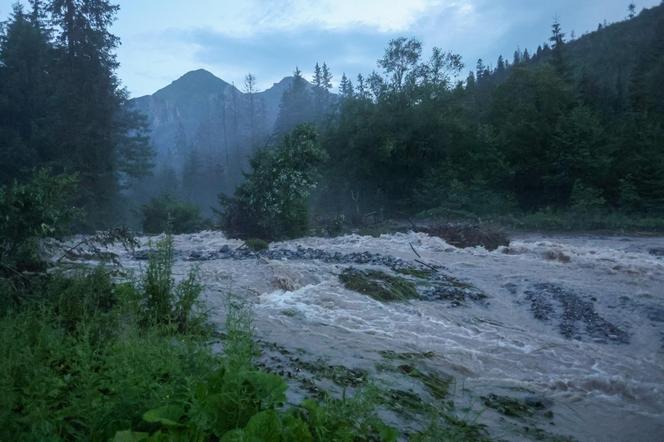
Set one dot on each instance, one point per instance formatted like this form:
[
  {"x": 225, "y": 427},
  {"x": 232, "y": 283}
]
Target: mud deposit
[{"x": 550, "y": 338}]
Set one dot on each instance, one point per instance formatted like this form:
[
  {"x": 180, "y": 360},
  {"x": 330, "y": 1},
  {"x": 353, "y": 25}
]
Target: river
[{"x": 570, "y": 324}]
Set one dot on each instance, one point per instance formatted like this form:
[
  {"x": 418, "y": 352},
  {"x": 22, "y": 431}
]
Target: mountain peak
[
  {"x": 199, "y": 81},
  {"x": 199, "y": 74}
]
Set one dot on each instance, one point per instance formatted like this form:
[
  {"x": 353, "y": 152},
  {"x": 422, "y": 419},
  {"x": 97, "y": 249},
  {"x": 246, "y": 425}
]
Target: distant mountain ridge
[
  {"x": 201, "y": 111},
  {"x": 204, "y": 131}
]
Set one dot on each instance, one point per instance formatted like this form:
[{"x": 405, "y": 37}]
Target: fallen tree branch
[{"x": 414, "y": 251}]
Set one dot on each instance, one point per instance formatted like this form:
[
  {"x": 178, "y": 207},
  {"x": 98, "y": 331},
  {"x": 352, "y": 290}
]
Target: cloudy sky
[{"x": 163, "y": 39}]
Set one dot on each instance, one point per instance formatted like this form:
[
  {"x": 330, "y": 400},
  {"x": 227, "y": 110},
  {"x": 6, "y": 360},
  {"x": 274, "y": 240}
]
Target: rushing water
[{"x": 575, "y": 320}]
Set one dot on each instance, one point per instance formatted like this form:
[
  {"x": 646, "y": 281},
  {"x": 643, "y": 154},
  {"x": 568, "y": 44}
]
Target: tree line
[
  {"x": 63, "y": 108},
  {"x": 540, "y": 133}
]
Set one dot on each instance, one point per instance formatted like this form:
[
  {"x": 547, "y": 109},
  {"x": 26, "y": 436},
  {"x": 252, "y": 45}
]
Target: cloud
[
  {"x": 163, "y": 39},
  {"x": 381, "y": 15},
  {"x": 271, "y": 55}
]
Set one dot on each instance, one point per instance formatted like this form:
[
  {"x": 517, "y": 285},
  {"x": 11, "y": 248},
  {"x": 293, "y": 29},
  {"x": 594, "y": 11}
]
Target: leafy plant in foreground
[
  {"x": 166, "y": 302},
  {"x": 31, "y": 211}
]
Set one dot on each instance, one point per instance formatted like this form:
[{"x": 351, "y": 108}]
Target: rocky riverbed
[{"x": 549, "y": 338}]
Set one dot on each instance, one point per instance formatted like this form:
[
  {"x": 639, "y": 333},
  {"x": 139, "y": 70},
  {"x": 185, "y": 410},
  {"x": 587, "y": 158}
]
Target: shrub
[
  {"x": 257, "y": 245},
  {"x": 30, "y": 211},
  {"x": 62, "y": 385},
  {"x": 167, "y": 214},
  {"x": 441, "y": 192},
  {"x": 273, "y": 202},
  {"x": 164, "y": 301}
]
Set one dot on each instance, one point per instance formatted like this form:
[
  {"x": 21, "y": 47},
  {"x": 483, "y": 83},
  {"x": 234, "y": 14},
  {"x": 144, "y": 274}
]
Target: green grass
[{"x": 378, "y": 285}]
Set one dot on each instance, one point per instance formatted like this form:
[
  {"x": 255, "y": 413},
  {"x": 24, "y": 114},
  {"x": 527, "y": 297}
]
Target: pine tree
[
  {"x": 296, "y": 105},
  {"x": 346, "y": 87},
  {"x": 517, "y": 58},
  {"x": 480, "y": 69},
  {"x": 93, "y": 130},
  {"x": 326, "y": 78},
  {"x": 249, "y": 90},
  {"x": 319, "y": 93},
  {"x": 470, "y": 81},
  {"x": 631, "y": 11},
  {"x": 361, "y": 90},
  {"x": 558, "y": 60},
  {"x": 318, "y": 76},
  {"x": 500, "y": 65},
  {"x": 25, "y": 91}
]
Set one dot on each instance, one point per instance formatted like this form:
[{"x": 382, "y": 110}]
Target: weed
[
  {"x": 257, "y": 245},
  {"x": 378, "y": 285}
]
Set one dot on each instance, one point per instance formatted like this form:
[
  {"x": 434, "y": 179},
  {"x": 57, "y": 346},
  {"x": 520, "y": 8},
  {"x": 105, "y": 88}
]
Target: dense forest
[
  {"x": 63, "y": 108},
  {"x": 574, "y": 126},
  {"x": 568, "y": 137},
  {"x": 543, "y": 131}
]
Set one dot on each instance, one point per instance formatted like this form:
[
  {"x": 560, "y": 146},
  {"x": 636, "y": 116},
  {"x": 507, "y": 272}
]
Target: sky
[{"x": 164, "y": 39}]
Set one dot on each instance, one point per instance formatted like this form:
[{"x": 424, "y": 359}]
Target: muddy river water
[{"x": 571, "y": 325}]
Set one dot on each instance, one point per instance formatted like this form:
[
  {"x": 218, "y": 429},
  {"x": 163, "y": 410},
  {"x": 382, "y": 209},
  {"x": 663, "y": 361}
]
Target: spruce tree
[
  {"x": 326, "y": 77},
  {"x": 346, "y": 87},
  {"x": 25, "y": 91},
  {"x": 558, "y": 60},
  {"x": 94, "y": 134},
  {"x": 296, "y": 105}
]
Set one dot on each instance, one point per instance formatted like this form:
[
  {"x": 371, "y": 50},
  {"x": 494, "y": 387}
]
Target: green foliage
[
  {"x": 548, "y": 219},
  {"x": 237, "y": 402},
  {"x": 166, "y": 214},
  {"x": 586, "y": 199},
  {"x": 378, "y": 285},
  {"x": 273, "y": 202},
  {"x": 257, "y": 245},
  {"x": 168, "y": 303},
  {"x": 62, "y": 106},
  {"x": 347, "y": 419},
  {"x": 567, "y": 129},
  {"x": 75, "y": 365},
  {"x": 30, "y": 211},
  {"x": 297, "y": 104}
]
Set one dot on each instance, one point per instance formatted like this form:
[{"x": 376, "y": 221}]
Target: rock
[
  {"x": 571, "y": 311},
  {"x": 656, "y": 251}
]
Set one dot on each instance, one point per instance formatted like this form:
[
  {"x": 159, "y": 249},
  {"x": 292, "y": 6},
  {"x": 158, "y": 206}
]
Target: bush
[
  {"x": 30, "y": 211},
  {"x": 167, "y": 214},
  {"x": 441, "y": 191},
  {"x": 273, "y": 202},
  {"x": 80, "y": 362},
  {"x": 257, "y": 245},
  {"x": 62, "y": 385},
  {"x": 168, "y": 303}
]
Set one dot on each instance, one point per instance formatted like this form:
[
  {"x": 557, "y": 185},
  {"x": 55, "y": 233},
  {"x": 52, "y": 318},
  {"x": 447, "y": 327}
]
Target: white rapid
[{"x": 576, "y": 320}]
